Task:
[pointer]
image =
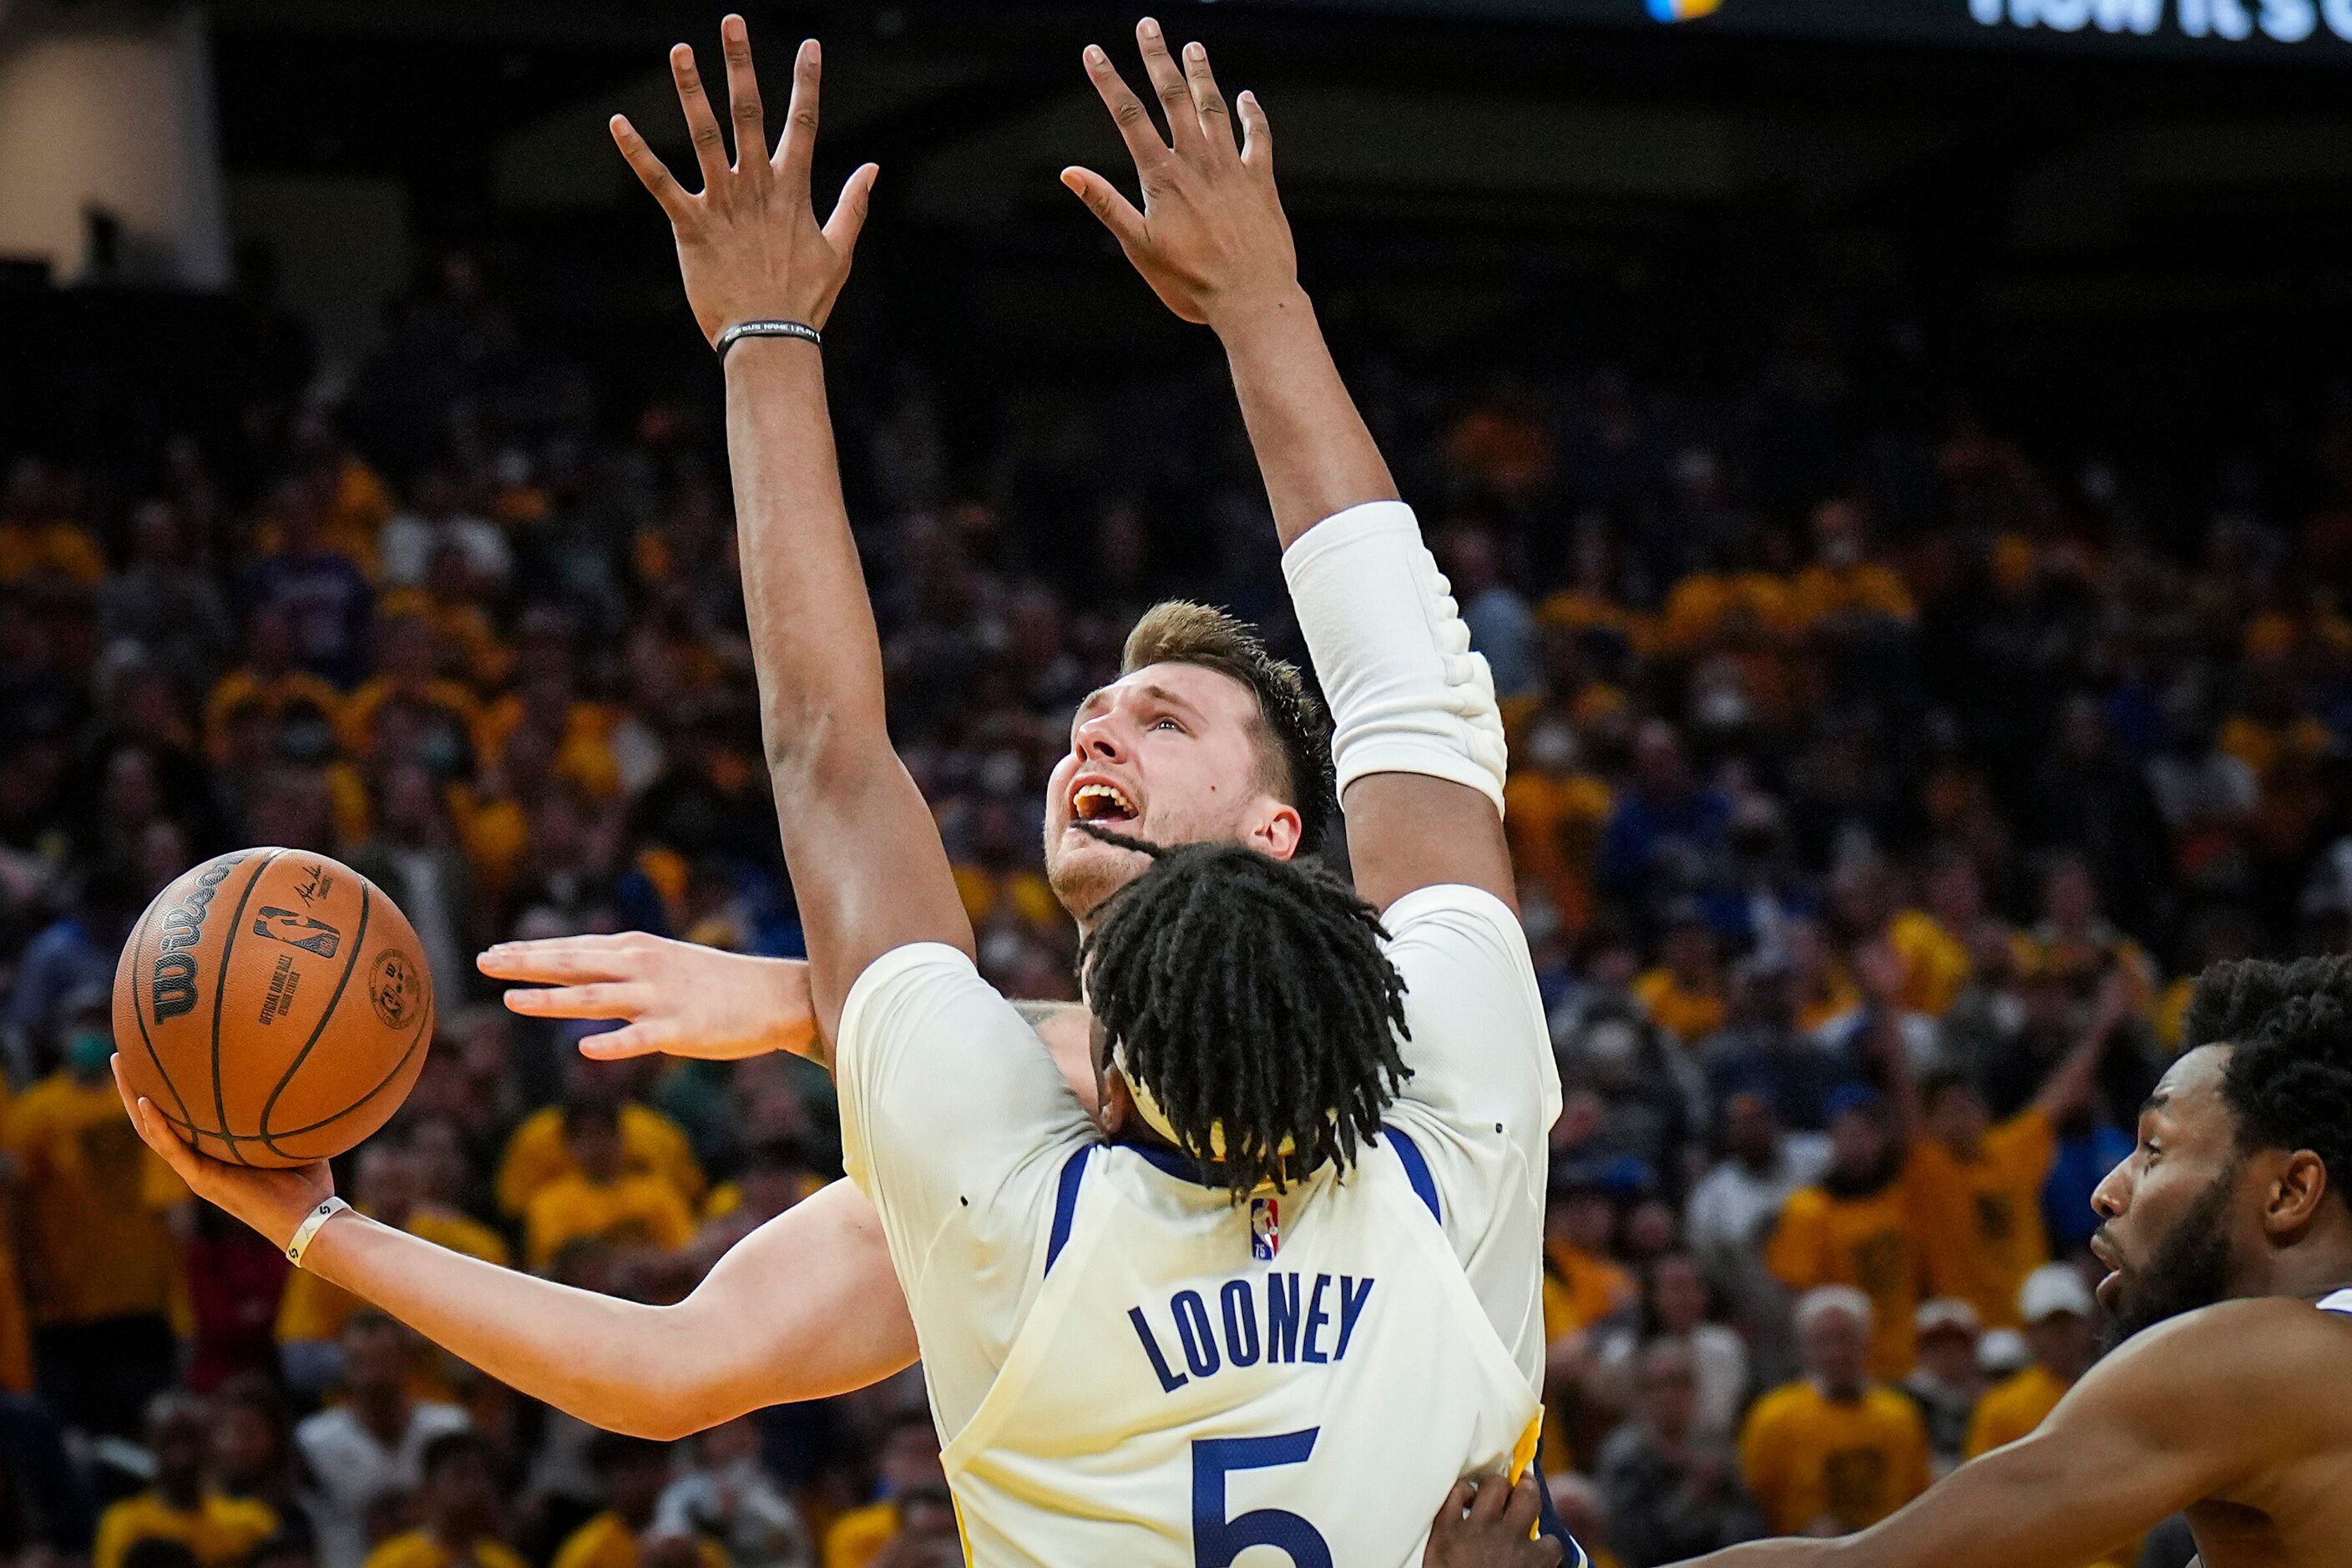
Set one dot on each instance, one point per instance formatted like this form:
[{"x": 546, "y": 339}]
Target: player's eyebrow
[
  {"x": 1162, "y": 694},
  {"x": 2155, "y": 1102}
]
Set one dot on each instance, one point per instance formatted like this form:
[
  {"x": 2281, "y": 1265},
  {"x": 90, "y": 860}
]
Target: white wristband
[
  {"x": 327, "y": 1210},
  {"x": 1389, "y": 647}
]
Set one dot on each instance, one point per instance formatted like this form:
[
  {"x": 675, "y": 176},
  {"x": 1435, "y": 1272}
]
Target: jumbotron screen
[{"x": 2244, "y": 29}]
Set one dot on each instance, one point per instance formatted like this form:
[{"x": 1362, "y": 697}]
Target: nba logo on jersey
[{"x": 1265, "y": 1228}]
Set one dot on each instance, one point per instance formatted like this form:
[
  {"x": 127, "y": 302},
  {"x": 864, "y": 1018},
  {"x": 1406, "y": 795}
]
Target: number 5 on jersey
[{"x": 1216, "y": 1540}]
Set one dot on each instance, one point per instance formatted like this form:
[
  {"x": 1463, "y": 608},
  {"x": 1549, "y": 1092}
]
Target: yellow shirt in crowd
[
  {"x": 1934, "y": 963},
  {"x": 82, "y": 1174},
  {"x": 1579, "y": 1290},
  {"x": 1818, "y": 1466},
  {"x": 651, "y": 1144},
  {"x": 1692, "y": 1015},
  {"x": 422, "y": 1549},
  {"x": 1986, "y": 1235},
  {"x": 220, "y": 1531},
  {"x": 313, "y": 1309},
  {"x": 858, "y": 1537},
  {"x": 634, "y": 1211},
  {"x": 607, "y": 1541},
  {"x": 2016, "y": 1409},
  {"x": 1873, "y": 1244},
  {"x": 54, "y": 549}
]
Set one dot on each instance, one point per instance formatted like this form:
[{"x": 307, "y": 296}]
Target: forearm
[
  {"x": 1313, "y": 450},
  {"x": 814, "y": 644},
  {"x": 618, "y": 1364},
  {"x": 805, "y": 1307}
]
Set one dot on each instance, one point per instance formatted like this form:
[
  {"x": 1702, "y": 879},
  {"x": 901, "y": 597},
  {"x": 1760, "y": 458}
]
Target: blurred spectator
[
  {"x": 1838, "y": 1451},
  {"x": 254, "y": 1455},
  {"x": 163, "y": 602},
  {"x": 539, "y": 1151},
  {"x": 631, "y": 1473},
  {"x": 1863, "y": 1227},
  {"x": 371, "y": 1446},
  {"x": 2057, "y": 1310},
  {"x": 181, "y": 1505},
  {"x": 728, "y": 1496},
  {"x": 601, "y": 1198},
  {"x": 457, "y": 1508},
  {"x": 2055, "y": 1307},
  {"x": 906, "y": 1464},
  {"x": 1672, "y": 1491},
  {"x": 1675, "y": 1311},
  {"x": 103, "y": 1342},
  {"x": 1946, "y": 1384}
]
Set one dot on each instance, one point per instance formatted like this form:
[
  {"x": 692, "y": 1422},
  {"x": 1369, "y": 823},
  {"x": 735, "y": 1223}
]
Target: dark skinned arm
[
  {"x": 2182, "y": 1414},
  {"x": 1213, "y": 244}
]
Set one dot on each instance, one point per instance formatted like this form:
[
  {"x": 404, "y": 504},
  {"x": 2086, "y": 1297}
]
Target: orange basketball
[{"x": 274, "y": 1005}]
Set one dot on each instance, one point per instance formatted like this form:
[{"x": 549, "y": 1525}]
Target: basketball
[{"x": 273, "y": 1005}]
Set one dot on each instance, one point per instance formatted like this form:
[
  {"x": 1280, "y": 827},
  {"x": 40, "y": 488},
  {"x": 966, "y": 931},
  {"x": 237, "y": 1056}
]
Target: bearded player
[
  {"x": 2228, "y": 1392},
  {"x": 1419, "y": 749}
]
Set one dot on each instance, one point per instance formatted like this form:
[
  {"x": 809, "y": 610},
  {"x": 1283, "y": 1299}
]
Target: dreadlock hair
[
  {"x": 2289, "y": 1028},
  {"x": 1249, "y": 996},
  {"x": 1294, "y": 731}
]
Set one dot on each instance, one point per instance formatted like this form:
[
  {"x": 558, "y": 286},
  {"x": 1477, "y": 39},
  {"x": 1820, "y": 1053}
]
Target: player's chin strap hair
[
  {"x": 1249, "y": 1007},
  {"x": 1406, "y": 694}
]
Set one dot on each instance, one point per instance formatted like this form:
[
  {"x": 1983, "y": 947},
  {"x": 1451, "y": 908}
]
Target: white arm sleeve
[{"x": 1389, "y": 644}]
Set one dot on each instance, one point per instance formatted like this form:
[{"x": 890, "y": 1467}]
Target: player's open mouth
[{"x": 1101, "y": 801}]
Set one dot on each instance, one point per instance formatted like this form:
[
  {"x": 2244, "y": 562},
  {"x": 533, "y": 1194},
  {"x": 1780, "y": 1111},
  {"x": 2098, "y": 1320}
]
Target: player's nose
[{"x": 1099, "y": 740}]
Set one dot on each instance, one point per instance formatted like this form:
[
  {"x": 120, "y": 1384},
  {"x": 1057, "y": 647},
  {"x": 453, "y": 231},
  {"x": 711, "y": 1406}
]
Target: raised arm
[
  {"x": 867, "y": 866},
  {"x": 1213, "y": 244},
  {"x": 2181, "y": 1414}
]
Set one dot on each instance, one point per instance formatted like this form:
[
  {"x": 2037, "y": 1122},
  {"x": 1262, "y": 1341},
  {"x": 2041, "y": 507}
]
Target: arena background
[{"x": 2046, "y": 299}]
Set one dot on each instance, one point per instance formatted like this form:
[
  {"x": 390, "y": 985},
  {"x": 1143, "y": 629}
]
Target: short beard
[{"x": 2190, "y": 1268}]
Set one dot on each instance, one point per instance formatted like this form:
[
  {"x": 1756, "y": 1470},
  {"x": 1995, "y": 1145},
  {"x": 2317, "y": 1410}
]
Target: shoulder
[
  {"x": 1897, "y": 1408},
  {"x": 1783, "y": 1404},
  {"x": 643, "y": 1121},
  {"x": 242, "y": 1514},
  {"x": 1806, "y": 1205}
]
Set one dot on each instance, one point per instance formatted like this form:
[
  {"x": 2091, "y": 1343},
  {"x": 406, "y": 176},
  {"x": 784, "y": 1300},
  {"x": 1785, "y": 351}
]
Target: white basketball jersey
[
  {"x": 2339, "y": 1303},
  {"x": 1196, "y": 1378}
]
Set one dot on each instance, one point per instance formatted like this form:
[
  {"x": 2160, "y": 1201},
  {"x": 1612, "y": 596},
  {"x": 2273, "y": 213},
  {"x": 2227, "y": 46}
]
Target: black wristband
[{"x": 741, "y": 329}]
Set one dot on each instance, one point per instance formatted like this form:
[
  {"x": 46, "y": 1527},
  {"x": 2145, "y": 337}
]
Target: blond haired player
[{"x": 1180, "y": 749}]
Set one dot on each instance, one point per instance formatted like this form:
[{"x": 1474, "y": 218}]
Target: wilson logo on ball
[{"x": 172, "y": 985}]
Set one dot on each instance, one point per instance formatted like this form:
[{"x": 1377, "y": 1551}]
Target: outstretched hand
[
  {"x": 749, "y": 243},
  {"x": 672, "y": 998},
  {"x": 1211, "y": 239}
]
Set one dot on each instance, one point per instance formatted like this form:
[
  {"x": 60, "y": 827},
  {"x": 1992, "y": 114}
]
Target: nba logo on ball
[
  {"x": 1682, "y": 10},
  {"x": 1265, "y": 1228}
]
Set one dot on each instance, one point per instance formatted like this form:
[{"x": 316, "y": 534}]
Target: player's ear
[
  {"x": 1117, "y": 1105},
  {"x": 1279, "y": 832},
  {"x": 2298, "y": 1189}
]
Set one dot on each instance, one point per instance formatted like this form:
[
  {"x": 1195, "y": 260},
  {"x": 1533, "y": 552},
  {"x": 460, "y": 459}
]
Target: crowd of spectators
[{"x": 1877, "y": 787}]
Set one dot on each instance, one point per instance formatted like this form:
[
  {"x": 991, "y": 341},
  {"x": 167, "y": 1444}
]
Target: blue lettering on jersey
[{"x": 1289, "y": 1337}]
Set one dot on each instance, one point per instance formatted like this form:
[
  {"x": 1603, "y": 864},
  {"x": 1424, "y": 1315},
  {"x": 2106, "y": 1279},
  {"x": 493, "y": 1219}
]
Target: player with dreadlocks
[
  {"x": 1136, "y": 1349},
  {"x": 2227, "y": 1397},
  {"x": 1222, "y": 978}
]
